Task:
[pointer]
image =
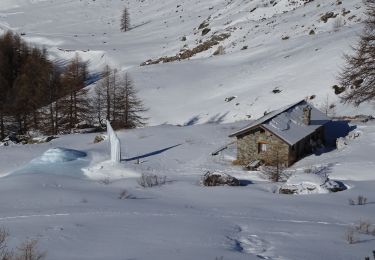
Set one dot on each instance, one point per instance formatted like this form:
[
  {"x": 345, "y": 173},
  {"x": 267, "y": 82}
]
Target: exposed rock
[
  {"x": 229, "y": 99},
  {"x": 188, "y": 53},
  {"x": 99, "y": 138},
  {"x": 327, "y": 16},
  {"x": 203, "y": 25},
  {"x": 338, "y": 90},
  {"x": 219, "y": 179},
  {"x": 40, "y": 140},
  {"x": 205, "y": 31},
  {"x": 24, "y": 139}
]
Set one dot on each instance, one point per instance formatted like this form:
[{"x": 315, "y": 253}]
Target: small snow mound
[
  {"x": 308, "y": 183},
  {"x": 313, "y": 179},
  {"x": 109, "y": 170},
  {"x": 59, "y": 155}
]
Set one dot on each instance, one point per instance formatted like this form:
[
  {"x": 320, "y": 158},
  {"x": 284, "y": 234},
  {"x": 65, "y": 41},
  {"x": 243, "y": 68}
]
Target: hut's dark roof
[{"x": 287, "y": 122}]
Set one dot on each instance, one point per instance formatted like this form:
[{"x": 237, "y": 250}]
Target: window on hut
[{"x": 262, "y": 147}]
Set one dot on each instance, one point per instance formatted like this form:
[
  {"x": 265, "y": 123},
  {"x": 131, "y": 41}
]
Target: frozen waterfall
[{"x": 115, "y": 144}]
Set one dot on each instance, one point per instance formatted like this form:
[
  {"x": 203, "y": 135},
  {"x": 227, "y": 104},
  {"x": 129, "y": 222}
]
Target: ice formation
[{"x": 114, "y": 143}]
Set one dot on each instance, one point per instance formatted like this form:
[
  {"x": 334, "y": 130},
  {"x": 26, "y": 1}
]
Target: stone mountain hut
[{"x": 281, "y": 137}]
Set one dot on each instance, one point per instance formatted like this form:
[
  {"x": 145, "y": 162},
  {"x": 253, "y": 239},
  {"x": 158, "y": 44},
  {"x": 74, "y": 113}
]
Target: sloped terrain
[
  {"x": 278, "y": 51},
  {"x": 78, "y": 205},
  {"x": 77, "y": 210}
]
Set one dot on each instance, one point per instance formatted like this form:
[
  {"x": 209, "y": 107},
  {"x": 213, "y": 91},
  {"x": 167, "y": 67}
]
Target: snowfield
[
  {"x": 78, "y": 204},
  {"x": 73, "y": 207},
  {"x": 256, "y": 59}
]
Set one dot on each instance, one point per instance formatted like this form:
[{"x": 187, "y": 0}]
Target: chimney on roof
[{"x": 306, "y": 115}]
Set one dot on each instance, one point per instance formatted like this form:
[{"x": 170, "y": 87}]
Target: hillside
[
  {"x": 292, "y": 47},
  {"x": 203, "y": 68}
]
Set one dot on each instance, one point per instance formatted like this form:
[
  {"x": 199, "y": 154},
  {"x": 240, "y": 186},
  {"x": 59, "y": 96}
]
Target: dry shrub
[
  {"x": 151, "y": 180},
  {"x": 361, "y": 200},
  {"x": 350, "y": 235},
  {"x": 364, "y": 227},
  {"x": 5, "y": 254},
  {"x": 236, "y": 162},
  {"x": 125, "y": 195},
  {"x": 29, "y": 251}
]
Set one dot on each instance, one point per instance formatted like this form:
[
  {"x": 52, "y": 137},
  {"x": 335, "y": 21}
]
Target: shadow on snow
[{"x": 150, "y": 154}]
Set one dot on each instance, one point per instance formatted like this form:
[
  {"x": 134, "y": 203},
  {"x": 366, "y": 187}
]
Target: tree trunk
[
  {"x": 108, "y": 103},
  {"x": 126, "y": 110},
  {"x": 56, "y": 127},
  {"x": 75, "y": 108},
  {"x": 114, "y": 97},
  {"x": 2, "y": 128},
  {"x": 52, "y": 123},
  {"x": 71, "y": 112},
  {"x": 35, "y": 119}
]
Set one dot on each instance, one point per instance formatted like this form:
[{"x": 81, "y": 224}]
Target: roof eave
[{"x": 244, "y": 130}]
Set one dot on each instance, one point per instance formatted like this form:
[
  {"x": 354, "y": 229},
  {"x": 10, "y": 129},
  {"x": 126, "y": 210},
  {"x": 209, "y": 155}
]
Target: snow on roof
[{"x": 287, "y": 122}]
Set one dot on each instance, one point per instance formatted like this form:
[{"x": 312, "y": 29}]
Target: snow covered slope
[
  {"x": 280, "y": 44},
  {"x": 73, "y": 206}
]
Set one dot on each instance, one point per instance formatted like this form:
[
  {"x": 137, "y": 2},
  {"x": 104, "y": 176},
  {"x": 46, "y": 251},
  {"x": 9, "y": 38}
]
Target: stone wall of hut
[{"x": 248, "y": 148}]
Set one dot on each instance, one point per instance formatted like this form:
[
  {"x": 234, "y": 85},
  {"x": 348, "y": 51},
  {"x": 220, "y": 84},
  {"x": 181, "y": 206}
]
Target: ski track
[{"x": 158, "y": 214}]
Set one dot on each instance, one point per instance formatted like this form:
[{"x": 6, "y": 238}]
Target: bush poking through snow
[
  {"x": 4, "y": 252},
  {"x": 219, "y": 179},
  {"x": 28, "y": 250},
  {"x": 350, "y": 236},
  {"x": 361, "y": 200},
  {"x": 105, "y": 181},
  {"x": 275, "y": 173},
  {"x": 363, "y": 227},
  {"x": 150, "y": 180},
  {"x": 125, "y": 195},
  {"x": 99, "y": 138}
]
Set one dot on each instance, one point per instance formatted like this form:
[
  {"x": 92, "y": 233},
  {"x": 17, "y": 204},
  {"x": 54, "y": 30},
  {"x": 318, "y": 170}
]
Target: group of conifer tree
[{"x": 37, "y": 94}]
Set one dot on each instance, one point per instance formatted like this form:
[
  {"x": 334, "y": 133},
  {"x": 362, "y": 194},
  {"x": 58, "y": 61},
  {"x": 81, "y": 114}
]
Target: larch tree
[
  {"x": 115, "y": 99},
  {"x": 125, "y": 20},
  {"x": 131, "y": 106},
  {"x": 76, "y": 102},
  {"x": 102, "y": 100},
  {"x": 358, "y": 74},
  {"x": 37, "y": 93},
  {"x": 53, "y": 94},
  {"x": 4, "y": 89}
]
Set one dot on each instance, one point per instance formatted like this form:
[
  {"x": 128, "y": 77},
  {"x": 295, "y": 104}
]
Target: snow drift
[
  {"x": 59, "y": 155},
  {"x": 308, "y": 183}
]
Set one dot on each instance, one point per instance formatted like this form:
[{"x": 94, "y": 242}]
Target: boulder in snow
[
  {"x": 219, "y": 179},
  {"x": 310, "y": 184}
]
